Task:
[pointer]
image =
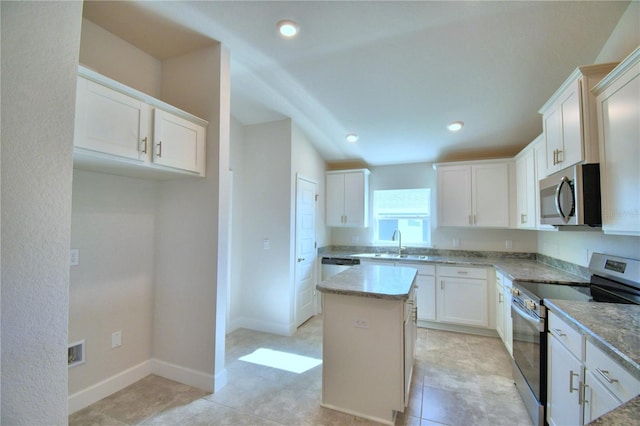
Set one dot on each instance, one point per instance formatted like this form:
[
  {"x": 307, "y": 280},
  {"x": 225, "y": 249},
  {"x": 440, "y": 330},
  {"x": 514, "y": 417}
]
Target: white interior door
[{"x": 305, "y": 249}]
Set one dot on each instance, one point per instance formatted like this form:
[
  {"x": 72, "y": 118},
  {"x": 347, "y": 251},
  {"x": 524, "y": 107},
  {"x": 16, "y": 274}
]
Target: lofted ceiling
[{"x": 394, "y": 72}]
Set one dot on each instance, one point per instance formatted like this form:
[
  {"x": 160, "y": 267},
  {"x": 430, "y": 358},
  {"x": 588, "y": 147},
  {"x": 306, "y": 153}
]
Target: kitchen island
[{"x": 368, "y": 343}]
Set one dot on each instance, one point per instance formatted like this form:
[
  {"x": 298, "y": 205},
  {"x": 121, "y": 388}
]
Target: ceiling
[{"x": 394, "y": 72}]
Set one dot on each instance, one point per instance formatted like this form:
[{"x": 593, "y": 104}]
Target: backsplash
[{"x": 571, "y": 268}]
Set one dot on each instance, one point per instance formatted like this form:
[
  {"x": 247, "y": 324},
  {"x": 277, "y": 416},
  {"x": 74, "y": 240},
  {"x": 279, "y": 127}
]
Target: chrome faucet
[{"x": 399, "y": 236}]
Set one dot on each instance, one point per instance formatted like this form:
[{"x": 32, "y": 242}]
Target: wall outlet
[
  {"x": 116, "y": 339},
  {"x": 74, "y": 258},
  {"x": 456, "y": 243},
  {"x": 508, "y": 244},
  {"x": 266, "y": 244},
  {"x": 75, "y": 354},
  {"x": 355, "y": 239}
]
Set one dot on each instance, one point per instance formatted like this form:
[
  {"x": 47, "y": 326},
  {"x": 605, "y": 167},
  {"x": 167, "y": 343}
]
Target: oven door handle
[{"x": 538, "y": 323}]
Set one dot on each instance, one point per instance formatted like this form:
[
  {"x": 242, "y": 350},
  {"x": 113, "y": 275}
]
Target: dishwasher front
[{"x": 335, "y": 265}]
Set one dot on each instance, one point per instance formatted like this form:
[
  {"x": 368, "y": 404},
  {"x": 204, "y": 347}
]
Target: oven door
[{"x": 529, "y": 349}]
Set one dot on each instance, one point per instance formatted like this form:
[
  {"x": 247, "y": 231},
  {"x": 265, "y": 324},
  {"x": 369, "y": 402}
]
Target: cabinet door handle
[
  {"x": 301, "y": 259},
  {"x": 571, "y": 388},
  {"x": 500, "y": 298},
  {"x": 523, "y": 218},
  {"x": 442, "y": 285},
  {"x": 582, "y": 396},
  {"x": 159, "y": 149},
  {"x": 560, "y": 152},
  {"x": 606, "y": 375},
  {"x": 559, "y": 332},
  {"x": 555, "y": 155},
  {"x": 144, "y": 150}
]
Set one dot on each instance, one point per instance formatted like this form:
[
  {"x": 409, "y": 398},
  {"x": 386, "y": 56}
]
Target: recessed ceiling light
[
  {"x": 288, "y": 28},
  {"x": 351, "y": 137},
  {"x": 455, "y": 126}
]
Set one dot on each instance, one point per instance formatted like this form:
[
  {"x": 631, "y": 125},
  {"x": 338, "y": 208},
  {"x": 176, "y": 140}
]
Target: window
[{"x": 408, "y": 210}]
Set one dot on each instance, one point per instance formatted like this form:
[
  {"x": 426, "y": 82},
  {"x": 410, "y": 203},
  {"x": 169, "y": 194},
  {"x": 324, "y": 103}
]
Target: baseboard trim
[
  {"x": 185, "y": 375},
  {"x": 266, "y": 327},
  {"x": 95, "y": 393}
]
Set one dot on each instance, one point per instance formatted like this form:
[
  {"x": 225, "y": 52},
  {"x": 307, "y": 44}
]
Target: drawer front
[
  {"x": 611, "y": 374},
  {"x": 566, "y": 334},
  {"x": 421, "y": 267},
  {"x": 462, "y": 272}
]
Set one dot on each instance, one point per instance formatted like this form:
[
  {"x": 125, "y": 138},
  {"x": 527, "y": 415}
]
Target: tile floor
[{"x": 459, "y": 379}]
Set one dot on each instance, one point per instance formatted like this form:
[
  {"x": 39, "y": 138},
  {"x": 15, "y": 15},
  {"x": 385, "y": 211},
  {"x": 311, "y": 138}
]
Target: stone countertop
[
  {"x": 380, "y": 282},
  {"x": 626, "y": 414},
  {"x": 532, "y": 271},
  {"x": 614, "y": 328}
]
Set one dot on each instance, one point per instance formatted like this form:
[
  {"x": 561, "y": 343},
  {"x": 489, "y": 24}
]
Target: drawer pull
[
  {"x": 463, "y": 272},
  {"x": 559, "y": 332},
  {"x": 605, "y": 375}
]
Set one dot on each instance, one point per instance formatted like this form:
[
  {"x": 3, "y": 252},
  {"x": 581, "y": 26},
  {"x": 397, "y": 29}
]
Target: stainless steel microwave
[{"x": 571, "y": 197}]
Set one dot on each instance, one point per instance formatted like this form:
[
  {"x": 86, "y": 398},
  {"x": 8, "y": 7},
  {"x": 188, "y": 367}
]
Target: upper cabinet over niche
[
  {"x": 569, "y": 120},
  {"x": 120, "y": 130},
  {"x": 348, "y": 198},
  {"x": 475, "y": 194},
  {"x": 618, "y": 106}
]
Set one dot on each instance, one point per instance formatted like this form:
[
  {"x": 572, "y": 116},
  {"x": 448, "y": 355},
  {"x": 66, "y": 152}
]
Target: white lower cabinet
[
  {"x": 564, "y": 375},
  {"x": 583, "y": 382},
  {"x": 598, "y": 400},
  {"x": 462, "y": 296},
  {"x": 500, "y": 311},
  {"x": 507, "y": 285}
]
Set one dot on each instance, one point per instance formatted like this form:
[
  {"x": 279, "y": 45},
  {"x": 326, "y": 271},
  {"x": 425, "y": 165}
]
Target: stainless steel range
[{"x": 614, "y": 280}]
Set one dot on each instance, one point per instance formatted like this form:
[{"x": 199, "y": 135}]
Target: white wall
[
  {"x": 238, "y": 224},
  {"x": 624, "y": 38},
  {"x": 266, "y": 276},
  {"x": 37, "y": 138},
  {"x": 422, "y": 175},
  {"x": 117, "y": 59},
  {"x": 189, "y": 235},
  {"x": 113, "y": 225}
]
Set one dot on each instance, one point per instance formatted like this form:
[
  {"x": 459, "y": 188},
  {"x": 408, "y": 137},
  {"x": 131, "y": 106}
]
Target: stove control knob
[
  {"x": 530, "y": 304},
  {"x": 515, "y": 291}
]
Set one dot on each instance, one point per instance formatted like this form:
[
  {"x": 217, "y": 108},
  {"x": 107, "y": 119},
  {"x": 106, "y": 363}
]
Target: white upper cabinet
[
  {"x": 97, "y": 109},
  {"x": 122, "y": 131},
  {"x": 348, "y": 198},
  {"x": 618, "y": 107},
  {"x": 526, "y": 188},
  {"x": 474, "y": 194},
  {"x": 569, "y": 120},
  {"x": 177, "y": 142}
]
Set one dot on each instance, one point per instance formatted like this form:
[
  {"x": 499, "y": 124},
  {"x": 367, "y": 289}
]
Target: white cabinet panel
[
  {"x": 474, "y": 194},
  {"x": 618, "y": 106},
  {"x": 347, "y": 198},
  {"x": 462, "y": 296},
  {"x": 114, "y": 132},
  {"x": 598, "y": 399},
  {"x": 569, "y": 122},
  {"x": 564, "y": 373},
  {"x": 526, "y": 188},
  {"x": 98, "y": 109},
  {"x": 426, "y": 297},
  {"x": 177, "y": 142}
]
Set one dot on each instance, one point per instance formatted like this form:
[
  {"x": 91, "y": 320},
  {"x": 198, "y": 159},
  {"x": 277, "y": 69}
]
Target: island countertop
[{"x": 381, "y": 282}]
